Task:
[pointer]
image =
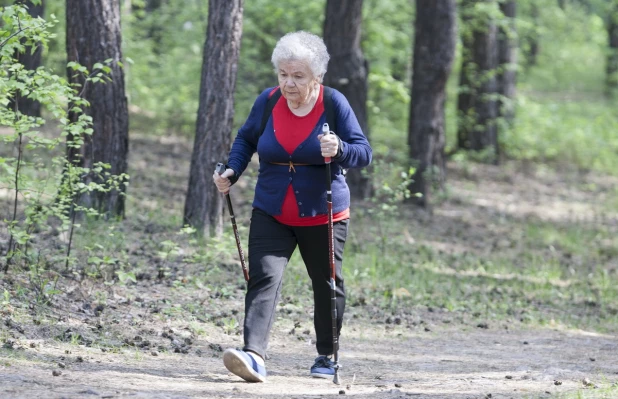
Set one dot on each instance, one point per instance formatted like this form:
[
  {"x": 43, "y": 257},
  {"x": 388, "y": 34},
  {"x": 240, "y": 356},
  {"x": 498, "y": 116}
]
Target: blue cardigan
[{"x": 309, "y": 182}]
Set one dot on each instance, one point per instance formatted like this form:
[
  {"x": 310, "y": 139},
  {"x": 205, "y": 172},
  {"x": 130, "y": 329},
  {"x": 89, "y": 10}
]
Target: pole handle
[
  {"x": 220, "y": 168},
  {"x": 325, "y": 132}
]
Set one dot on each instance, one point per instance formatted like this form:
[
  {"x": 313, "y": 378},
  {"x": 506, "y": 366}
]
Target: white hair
[{"x": 302, "y": 46}]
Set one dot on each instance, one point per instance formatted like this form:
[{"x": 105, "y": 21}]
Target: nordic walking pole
[
  {"x": 331, "y": 259},
  {"x": 220, "y": 169}
]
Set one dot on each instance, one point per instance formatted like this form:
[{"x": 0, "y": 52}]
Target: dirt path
[{"x": 379, "y": 361}]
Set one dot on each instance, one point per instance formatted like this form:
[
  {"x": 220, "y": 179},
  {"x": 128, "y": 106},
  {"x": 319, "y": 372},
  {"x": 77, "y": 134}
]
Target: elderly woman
[{"x": 289, "y": 206}]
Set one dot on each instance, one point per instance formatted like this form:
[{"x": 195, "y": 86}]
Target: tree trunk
[
  {"x": 204, "y": 204},
  {"x": 612, "y": 55},
  {"x": 507, "y": 60},
  {"x": 348, "y": 70},
  {"x": 477, "y": 106},
  {"x": 93, "y": 36},
  {"x": 31, "y": 61},
  {"x": 435, "y": 39},
  {"x": 533, "y": 39}
]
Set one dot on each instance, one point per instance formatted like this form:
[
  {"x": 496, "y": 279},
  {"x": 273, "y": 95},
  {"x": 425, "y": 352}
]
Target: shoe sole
[
  {"x": 319, "y": 375},
  {"x": 239, "y": 366}
]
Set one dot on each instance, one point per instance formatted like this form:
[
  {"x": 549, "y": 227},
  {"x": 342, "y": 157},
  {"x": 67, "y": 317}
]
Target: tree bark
[
  {"x": 612, "y": 55},
  {"x": 477, "y": 105},
  {"x": 533, "y": 39},
  {"x": 93, "y": 36},
  {"x": 507, "y": 60},
  {"x": 31, "y": 61},
  {"x": 204, "y": 204},
  {"x": 434, "y": 50},
  {"x": 347, "y": 71}
]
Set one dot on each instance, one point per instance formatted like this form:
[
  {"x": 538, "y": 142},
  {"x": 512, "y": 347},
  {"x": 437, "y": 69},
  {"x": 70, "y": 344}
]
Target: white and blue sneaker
[
  {"x": 323, "y": 368},
  {"x": 244, "y": 365}
]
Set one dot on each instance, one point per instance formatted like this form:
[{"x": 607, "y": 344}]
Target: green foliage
[
  {"x": 54, "y": 54},
  {"x": 163, "y": 48},
  {"x": 387, "y": 31},
  {"x": 572, "y": 51},
  {"x": 562, "y": 116},
  {"x": 477, "y": 15},
  {"x": 391, "y": 190},
  {"x": 45, "y": 185},
  {"x": 576, "y": 134}
]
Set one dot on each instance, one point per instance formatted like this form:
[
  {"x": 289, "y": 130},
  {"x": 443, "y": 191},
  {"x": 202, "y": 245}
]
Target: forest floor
[{"x": 157, "y": 339}]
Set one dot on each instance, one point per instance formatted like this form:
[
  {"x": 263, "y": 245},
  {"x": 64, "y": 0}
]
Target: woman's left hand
[{"x": 329, "y": 144}]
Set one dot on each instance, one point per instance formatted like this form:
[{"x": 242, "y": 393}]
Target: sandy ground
[{"x": 378, "y": 361}]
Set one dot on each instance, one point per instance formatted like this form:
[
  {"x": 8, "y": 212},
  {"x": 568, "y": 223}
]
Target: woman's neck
[{"x": 303, "y": 108}]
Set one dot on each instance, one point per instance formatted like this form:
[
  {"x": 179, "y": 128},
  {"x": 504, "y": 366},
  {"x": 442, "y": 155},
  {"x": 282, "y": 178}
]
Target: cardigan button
[
  {"x": 302, "y": 214},
  {"x": 290, "y": 179},
  {"x": 300, "y": 203}
]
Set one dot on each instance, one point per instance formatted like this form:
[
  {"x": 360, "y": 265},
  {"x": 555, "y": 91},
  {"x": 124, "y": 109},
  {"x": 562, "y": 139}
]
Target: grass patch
[
  {"x": 549, "y": 278},
  {"x": 603, "y": 392}
]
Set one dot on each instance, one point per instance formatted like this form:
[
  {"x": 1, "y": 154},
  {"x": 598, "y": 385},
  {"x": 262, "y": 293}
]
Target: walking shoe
[
  {"x": 244, "y": 365},
  {"x": 323, "y": 368}
]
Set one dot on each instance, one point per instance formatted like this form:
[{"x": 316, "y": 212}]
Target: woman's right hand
[{"x": 222, "y": 181}]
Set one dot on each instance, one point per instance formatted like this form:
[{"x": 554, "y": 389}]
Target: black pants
[{"x": 271, "y": 245}]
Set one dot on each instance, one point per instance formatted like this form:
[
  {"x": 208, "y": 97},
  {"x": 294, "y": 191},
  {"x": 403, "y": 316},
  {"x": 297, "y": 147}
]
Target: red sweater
[{"x": 290, "y": 131}]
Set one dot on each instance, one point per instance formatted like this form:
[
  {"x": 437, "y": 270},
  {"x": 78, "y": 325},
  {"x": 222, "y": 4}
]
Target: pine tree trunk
[
  {"x": 347, "y": 71},
  {"x": 477, "y": 106},
  {"x": 612, "y": 55},
  {"x": 435, "y": 39},
  {"x": 204, "y": 204},
  {"x": 533, "y": 39},
  {"x": 507, "y": 60},
  {"x": 31, "y": 61},
  {"x": 93, "y": 36}
]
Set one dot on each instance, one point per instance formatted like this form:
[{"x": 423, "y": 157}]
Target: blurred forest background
[{"x": 502, "y": 114}]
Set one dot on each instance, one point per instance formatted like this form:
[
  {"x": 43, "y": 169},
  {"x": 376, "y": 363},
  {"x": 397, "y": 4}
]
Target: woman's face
[{"x": 296, "y": 81}]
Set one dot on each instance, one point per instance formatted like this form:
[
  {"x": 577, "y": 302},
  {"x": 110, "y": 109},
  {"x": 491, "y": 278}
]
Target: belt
[{"x": 291, "y": 165}]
